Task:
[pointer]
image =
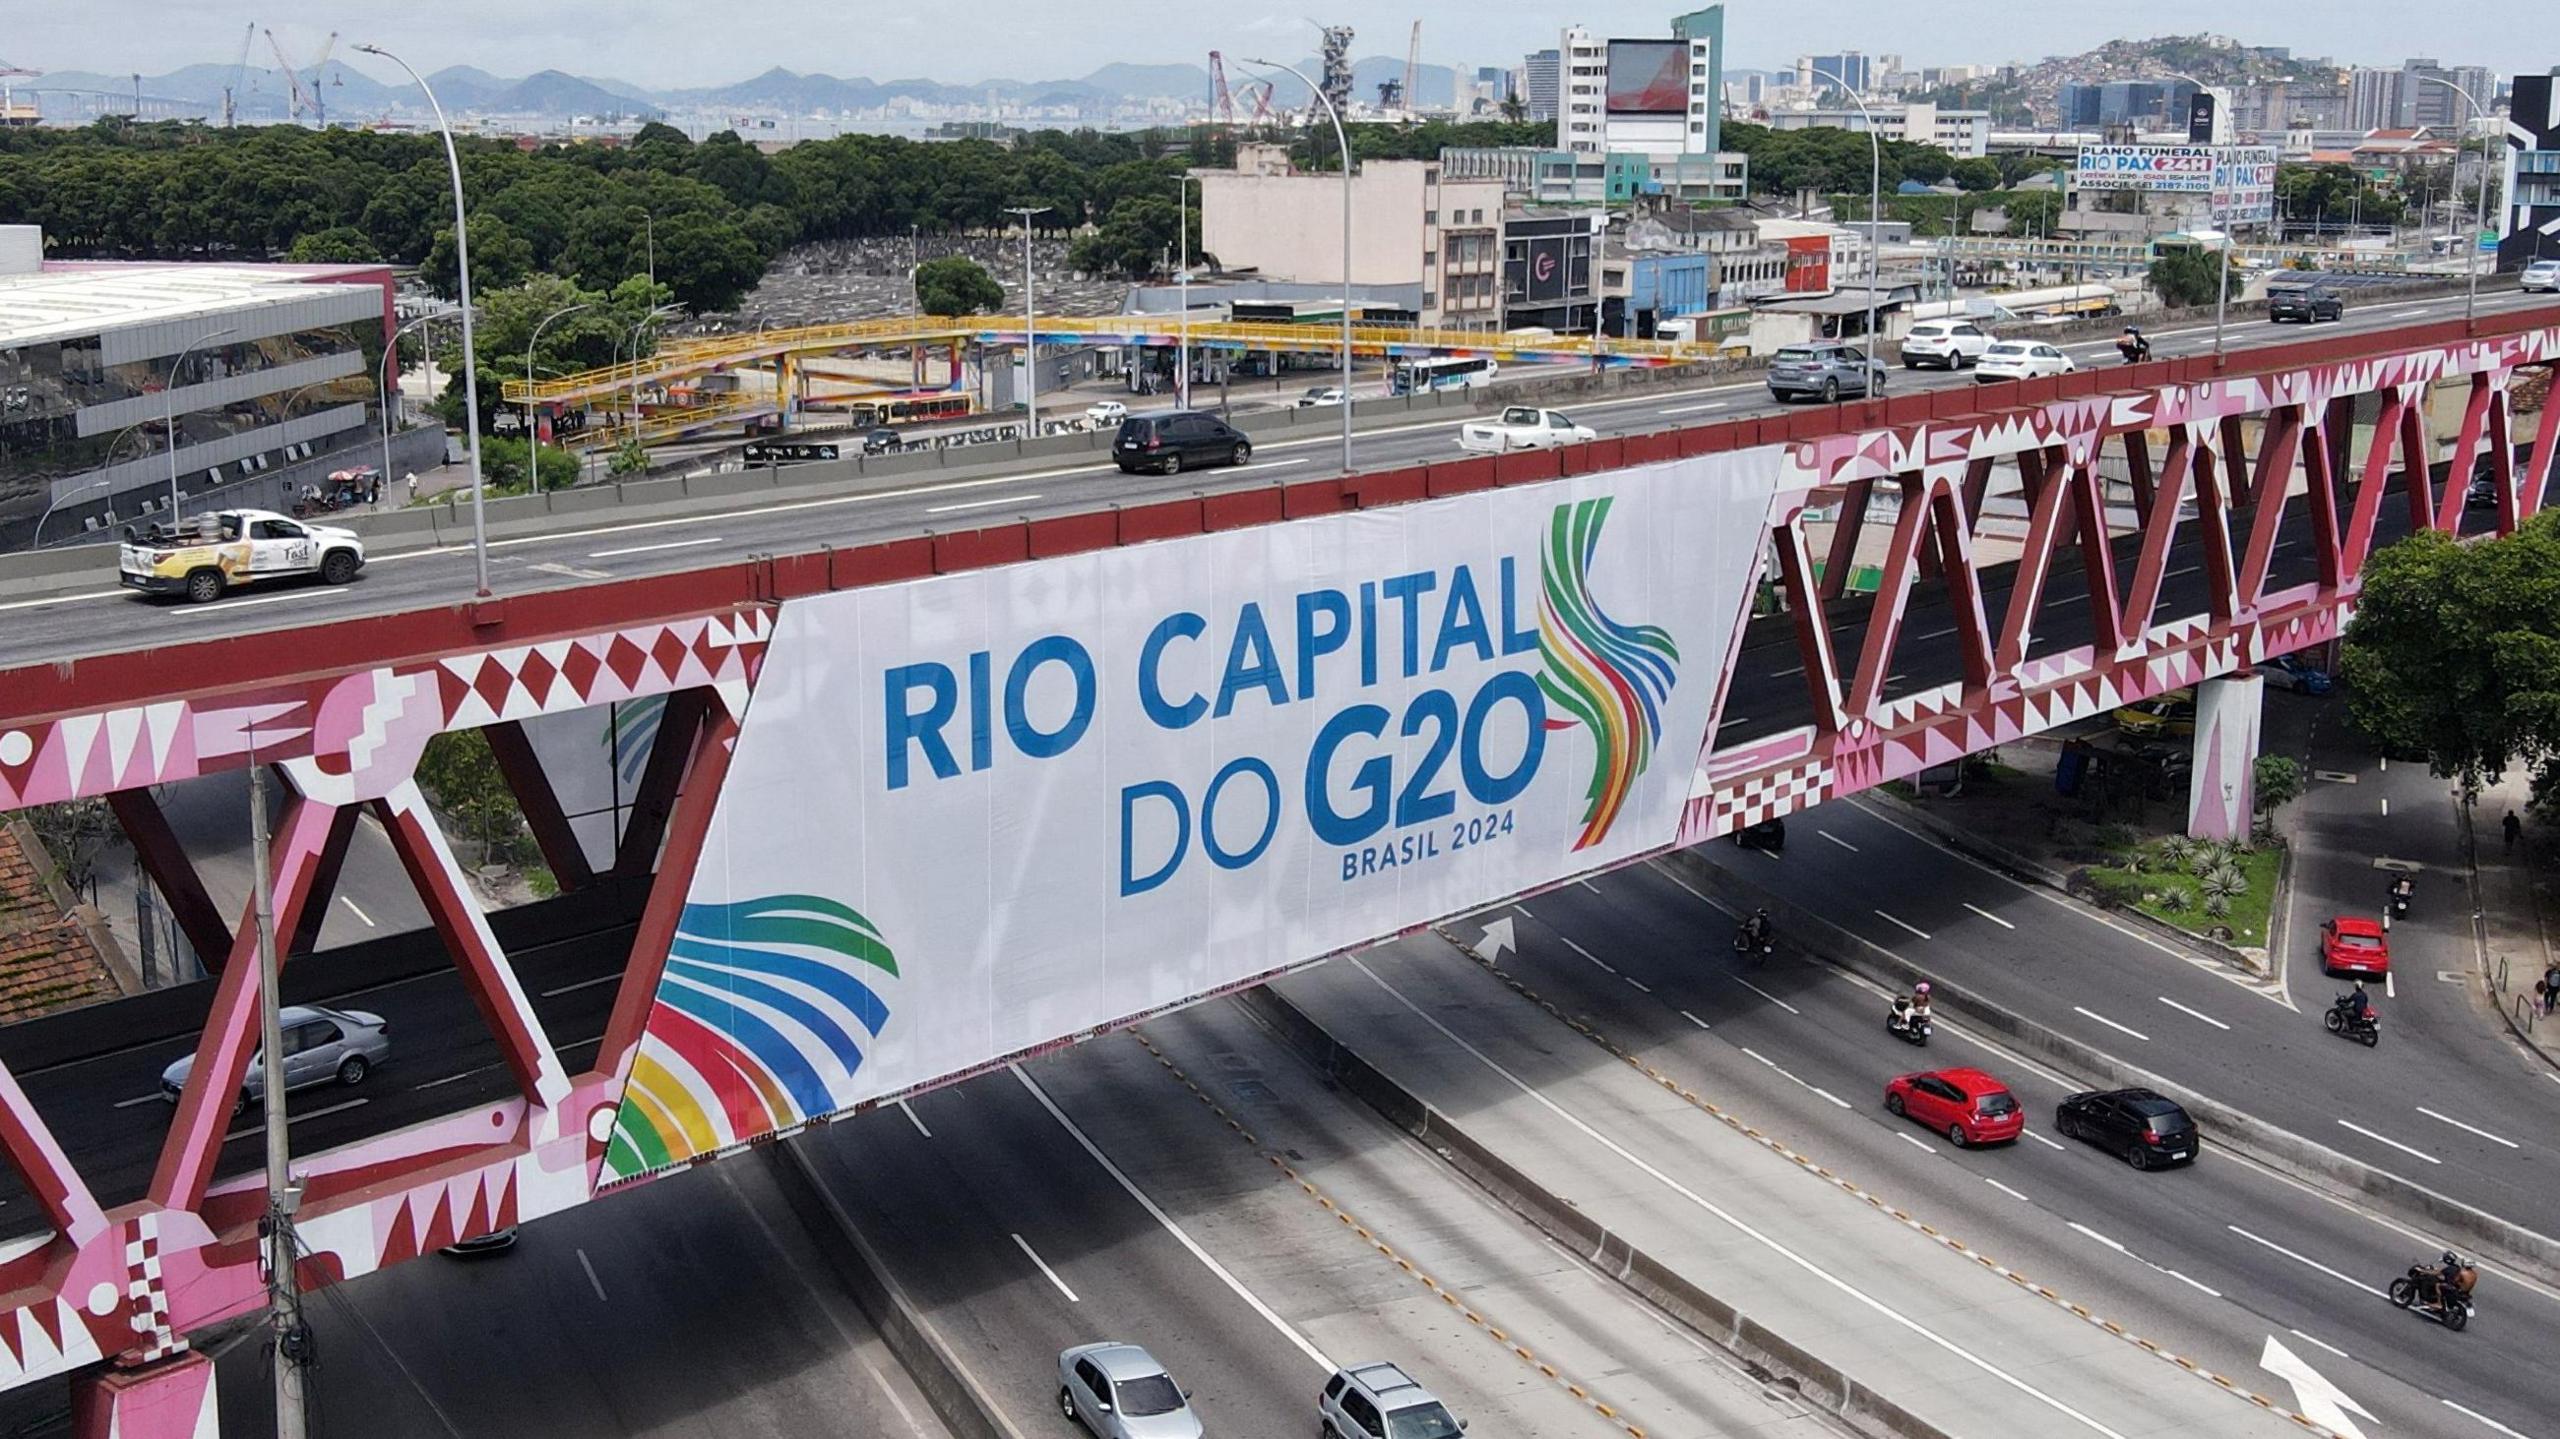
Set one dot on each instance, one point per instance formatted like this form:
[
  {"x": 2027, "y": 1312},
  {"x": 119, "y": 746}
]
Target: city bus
[{"x": 1412, "y": 377}]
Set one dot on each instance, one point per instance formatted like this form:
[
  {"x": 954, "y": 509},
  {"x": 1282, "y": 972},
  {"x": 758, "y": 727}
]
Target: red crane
[{"x": 1222, "y": 103}]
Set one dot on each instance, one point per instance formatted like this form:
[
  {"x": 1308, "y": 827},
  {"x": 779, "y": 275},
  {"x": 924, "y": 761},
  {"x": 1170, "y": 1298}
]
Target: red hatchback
[
  {"x": 1966, "y": 1105},
  {"x": 2353, "y": 945}
]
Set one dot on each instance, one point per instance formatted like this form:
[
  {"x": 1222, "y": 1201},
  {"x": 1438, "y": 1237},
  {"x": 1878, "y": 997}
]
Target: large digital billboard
[
  {"x": 1648, "y": 77},
  {"x": 974, "y": 816}
]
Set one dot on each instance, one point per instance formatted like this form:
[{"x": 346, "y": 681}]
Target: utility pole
[{"x": 285, "y": 1329}]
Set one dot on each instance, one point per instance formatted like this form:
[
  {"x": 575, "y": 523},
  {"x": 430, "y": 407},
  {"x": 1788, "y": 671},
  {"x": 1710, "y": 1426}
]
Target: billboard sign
[
  {"x": 975, "y": 816},
  {"x": 2161, "y": 169},
  {"x": 2244, "y": 185},
  {"x": 1648, "y": 77},
  {"x": 2200, "y": 113}
]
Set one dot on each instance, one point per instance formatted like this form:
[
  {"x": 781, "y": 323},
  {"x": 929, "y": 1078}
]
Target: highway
[
  {"x": 2210, "y": 1260},
  {"x": 90, "y": 616}
]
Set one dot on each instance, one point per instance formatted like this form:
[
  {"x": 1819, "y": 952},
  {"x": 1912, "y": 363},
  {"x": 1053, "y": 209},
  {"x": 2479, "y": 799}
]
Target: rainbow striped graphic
[
  {"x": 762, "y": 1013},
  {"x": 1610, "y": 678}
]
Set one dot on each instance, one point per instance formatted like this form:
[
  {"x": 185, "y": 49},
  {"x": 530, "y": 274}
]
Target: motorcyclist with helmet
[
  {"x": 2133, "y": 345},
  {"x": 2437, "y": 1285}
]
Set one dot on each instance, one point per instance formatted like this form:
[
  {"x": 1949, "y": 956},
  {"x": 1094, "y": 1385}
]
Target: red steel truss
[{"x": 342, "y": 712}]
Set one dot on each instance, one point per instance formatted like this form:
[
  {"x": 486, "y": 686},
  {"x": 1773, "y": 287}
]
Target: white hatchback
[
  {"x": 2022, "y": 360},
  {"x": 1947, "y": 344},
  {"x": 1105, "y": 414},
  {"x": 2542, "y": 275}
]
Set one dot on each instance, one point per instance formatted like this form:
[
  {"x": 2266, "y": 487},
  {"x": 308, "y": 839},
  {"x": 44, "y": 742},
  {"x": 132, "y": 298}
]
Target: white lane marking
[
  {"x": 2303, "y": 1259},
  {"x": 1029, "y": 1253},
  {"x": 1586, "y": 884},
  {"x": 1736, "y": 1223},
  {"x": 980, "y": 504},
  {"x": 1902, "y": 924},
  {"x": 1764, "y": 1059},
  {"x": 1586, "y": 954},
  {"x": 2111, "y": 1024},
  {"x": 1234, "y": 1285},
  {"x": 2005, "y": 1189},
  {"x": 2320, "y": 1344},
  {"x": 60, "y": 600},
  {"x": 2191, "y": 1283},
  {"x": 1791, "y": 1078},
  {"x": 2483, "y": 1418},
  {"x": 1524, "y": 911},
  {"x": 592, "y": 1281},
  {"x": 1782, "y": 674},
  {"x": 1986, "y": 914},
  {"x": 2040, "y": 1139},
  {"x": 581, "y": 984},
  {"x": 294, "y": 1117},
  {"x": 1498, "y": 936},
  {"x": 1827, "y": 1094},
  {"x": 359, "y": 912},
  {"x": 1692, "y": 409},
  {"x": 2386, "y": 806},
  {"x": 652, "y": 549},
  {"x": 2173, "y": 574},
  {"x": 2384, "y": 1139},
  {"x": 452, "y": 1078},
  {"x": 1638, "y": 983},
  {"x": 2458, "y": 1124},
  {"x": 200, "y": 611},
  {"x": 1764, "y": 994},
  {"x": 2093, "y": 1234},
  {"x": 914, "y": 1118},
  {"x": 2315, "y": 1396},
  {"x": 1939, "y": 634},
  {"x": 2193, "y": 1013},
  {"x": 1684, "y": 1014},
  {"x": 159, "y": 1099},
  {"x": 1835, "y": 839},
  {"x": 1916, "y": 1144}
]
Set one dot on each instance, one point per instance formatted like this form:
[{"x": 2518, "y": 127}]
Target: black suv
[
  {"x": 2307, "y": 303},
  {"x": 2145, "y": 1127},
  {"x": 1178, "y": 440}
]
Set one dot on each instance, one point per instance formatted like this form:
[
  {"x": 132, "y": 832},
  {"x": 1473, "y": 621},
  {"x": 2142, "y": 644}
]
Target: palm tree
[{"x": 1514, "y": 109}]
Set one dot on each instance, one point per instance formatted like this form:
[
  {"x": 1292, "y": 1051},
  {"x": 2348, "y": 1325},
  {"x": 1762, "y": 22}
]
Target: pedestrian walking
[
  {"x": 2514, "y": 828},
  {"x": 2550, "y": 987},
  {"x": 412, "y": 479}
]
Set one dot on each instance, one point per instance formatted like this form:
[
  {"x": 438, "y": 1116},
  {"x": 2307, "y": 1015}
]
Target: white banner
[
  {"x": 971, "y": 816},
  {"x": 2170, "y": 169}
]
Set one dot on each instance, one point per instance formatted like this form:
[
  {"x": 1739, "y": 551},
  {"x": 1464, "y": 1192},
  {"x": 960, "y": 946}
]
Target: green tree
[
  {"x": 956, "y": 285},
  {"x": 503, "y": 466},
  {"x": 2278, "y": 781},
  {"x": 710, "y": 263},
  {"x": 1975, "y": 174},
  {"x": 2185, "y": 275},
  {"x": 462, "y": 780},
  {"x": 499, "y": 258},
  {"x": 2032, "y": 211},
  {"x": 2455, "y": 651},
  {"x": 337, "y": 245}
]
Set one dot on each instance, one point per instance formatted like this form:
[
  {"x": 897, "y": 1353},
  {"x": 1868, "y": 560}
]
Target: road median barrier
[
  {"x": 959, "y": 1400},
  {"x": 2317, "y": 1165},
  {"x": 1772, "y": 1359}
]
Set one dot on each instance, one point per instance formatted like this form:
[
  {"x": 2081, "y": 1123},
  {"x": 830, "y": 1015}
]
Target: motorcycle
[
  {"x": 1912, "y": 1026},
  {"x": 2423, "y": 1287},
  {"x": 1758, "y": 952},
  {"x": 2400, "y": 899},
  {"x": 2135, "y": 351},
  {"x": 2339, "y": 1022}
]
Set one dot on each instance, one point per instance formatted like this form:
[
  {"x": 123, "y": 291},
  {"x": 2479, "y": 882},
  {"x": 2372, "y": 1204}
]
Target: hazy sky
[{"x": 674, "y": 43}]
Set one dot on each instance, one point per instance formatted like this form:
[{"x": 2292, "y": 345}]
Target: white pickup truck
[
  {"x": 1523, "y": 428},
  {"x": 210, "y": 553}
]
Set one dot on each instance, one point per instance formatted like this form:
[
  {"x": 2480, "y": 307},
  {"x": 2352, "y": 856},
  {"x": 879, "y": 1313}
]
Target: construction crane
[
  {"x": 239, "y": 73},
  {"x": 1222, "y": 103},
  {"x": 1335, "y": 75},
  {"x": 8, "y": 98},
  {"x": 1413, "y": 70},
  {"x": 311, "y": 99},
  {"x": 1261, "y": 102}
]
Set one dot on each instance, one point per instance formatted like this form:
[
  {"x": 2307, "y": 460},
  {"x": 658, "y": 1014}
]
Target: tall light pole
[
  {"x": 1344, "y": 141},
  {"x": 1030, "y": 339},
  {"x": 1182, "y": 277},
  {"x": 532, "y": 438},
  {"x": 2480, "y": 220},
  {"x": 284, "y": 1299},
  {"x": 470, "y": 360},
  {"x": 646, "y": 321},
  {"x": 650, "y": 221},
  {"x": 1875, "y": 215},
  {"x": 169, "y": 412},
  {"x": 391, "y": 391}
]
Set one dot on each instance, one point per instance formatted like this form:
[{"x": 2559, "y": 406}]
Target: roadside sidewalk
[{"x": 2517, "y": 902}]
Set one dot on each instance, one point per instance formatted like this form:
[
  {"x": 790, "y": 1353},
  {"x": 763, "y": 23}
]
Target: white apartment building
[
  {"x": 1408, "y": 227},
  {"x": 1649, "y": 97},
  {"x": 1962, "y": 133}
]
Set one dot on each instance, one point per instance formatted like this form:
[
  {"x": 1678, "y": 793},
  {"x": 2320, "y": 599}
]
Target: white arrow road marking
[
  {"x": 2320, "y": 1401},
  {"x": 1497, "y": 938}
]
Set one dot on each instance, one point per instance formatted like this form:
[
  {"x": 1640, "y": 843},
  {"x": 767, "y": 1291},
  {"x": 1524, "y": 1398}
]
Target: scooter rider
[
  {"x": 1920, "y": 1002},
  {"x": 2358, "y": 1006},
  {"x": 2401, "y": 889},
  {"x": 1756, "y": 929},
  {"x": 2133, "y": 345},
  {"x": 2438, "y": 1285}
]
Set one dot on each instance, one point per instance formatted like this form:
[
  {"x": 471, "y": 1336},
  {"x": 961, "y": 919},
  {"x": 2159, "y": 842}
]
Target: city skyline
[{"x": 628, "y": 41}]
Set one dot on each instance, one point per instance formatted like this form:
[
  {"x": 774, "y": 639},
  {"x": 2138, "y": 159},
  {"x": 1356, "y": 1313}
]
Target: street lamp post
[
  {"x": 1343, "y": 140},
  {"x": 1182, "y": 277},
  {"x": 2480, "y": 219},
  {"x": 169, "y": 413},
  {"x": 470, "y": 360},
  {"x": 391, "y": 391},
  {"x": 646, "y": 321},
  {"x": 1030, "y": 337},
  {"x": 532, "y": 440},
  {"x": 1875, "y": 216}
]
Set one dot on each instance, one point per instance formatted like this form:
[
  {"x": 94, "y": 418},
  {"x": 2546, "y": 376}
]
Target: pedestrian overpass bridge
[{"x": 902, "y": 812}]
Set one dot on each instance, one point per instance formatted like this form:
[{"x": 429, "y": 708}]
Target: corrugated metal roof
[{"x": 70, "y": 304}]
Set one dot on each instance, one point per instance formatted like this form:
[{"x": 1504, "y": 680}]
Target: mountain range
[{"x": 265, "y": 94}]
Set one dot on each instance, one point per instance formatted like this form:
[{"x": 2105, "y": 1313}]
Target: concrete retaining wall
[
  {"x": 1715, "y": 1318},
  {"x": 2288, "y": 1153}
]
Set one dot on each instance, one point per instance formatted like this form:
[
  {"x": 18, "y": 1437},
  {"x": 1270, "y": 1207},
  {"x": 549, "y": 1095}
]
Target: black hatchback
[
  {"x": 1178, "y": 440},
  {"x": 2307, "y": 303},
  {"x": 2145, "y": 1128}
]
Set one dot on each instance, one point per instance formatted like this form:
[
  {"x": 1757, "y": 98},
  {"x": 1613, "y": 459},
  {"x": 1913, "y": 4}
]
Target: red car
[
  {"x": 1966, "y": 1105},
  {"x": 2353, "y": 945}
]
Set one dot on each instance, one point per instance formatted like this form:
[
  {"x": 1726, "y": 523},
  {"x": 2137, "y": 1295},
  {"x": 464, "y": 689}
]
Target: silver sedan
[{"x": 321, "y": 1046}]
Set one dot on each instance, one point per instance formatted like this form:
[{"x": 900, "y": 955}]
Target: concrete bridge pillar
[
  {"x": 2222, "y": 796},
  {"x": 172, "y": 1398}
]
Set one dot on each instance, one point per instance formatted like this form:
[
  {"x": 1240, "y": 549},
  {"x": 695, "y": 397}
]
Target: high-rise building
[
  {"x": 2373, "y": 99},
  {"x": 2425, "y": 102},
  {"x": 1646, "y": 97},
  {"x": 1495, "y": 81},
  {"x": 2529, "y": 217},
  {"x": 1544, "y": 72},
  {"x": 1849, "y": 70}
]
